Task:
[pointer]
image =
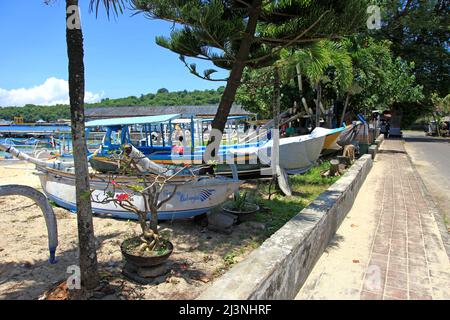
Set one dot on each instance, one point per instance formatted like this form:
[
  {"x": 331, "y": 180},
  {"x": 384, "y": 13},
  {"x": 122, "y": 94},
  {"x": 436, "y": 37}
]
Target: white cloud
[{"x": 52, "y": 91}]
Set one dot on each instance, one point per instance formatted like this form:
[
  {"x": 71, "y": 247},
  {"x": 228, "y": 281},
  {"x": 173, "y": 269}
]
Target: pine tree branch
[
  {"x": 164, "y": 18},
  {"x": 214, "y": 40},
  {"x": 264, "y": 39},
  {"x": 195, "y": 73},
  {"x": 287, "y": 44}
]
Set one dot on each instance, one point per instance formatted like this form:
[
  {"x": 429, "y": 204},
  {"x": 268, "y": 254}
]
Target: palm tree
[
  {"x": 74, "y": 38},
  {"x": 314, "y": 62}
]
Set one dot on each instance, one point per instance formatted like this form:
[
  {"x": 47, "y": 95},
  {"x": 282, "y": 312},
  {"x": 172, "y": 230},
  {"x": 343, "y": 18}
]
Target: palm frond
[{"x": 115, "y": 7}]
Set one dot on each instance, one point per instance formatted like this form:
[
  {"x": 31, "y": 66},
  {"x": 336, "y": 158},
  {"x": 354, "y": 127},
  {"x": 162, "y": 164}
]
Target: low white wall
[{"x": 280, "y": 266}]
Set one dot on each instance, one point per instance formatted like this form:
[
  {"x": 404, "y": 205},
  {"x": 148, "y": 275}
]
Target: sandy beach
[{"x": 25, "y": 272}]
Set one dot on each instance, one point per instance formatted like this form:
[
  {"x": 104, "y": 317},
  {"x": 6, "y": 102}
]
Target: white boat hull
[
  {"x": 193, "y": 198},
  {"x": 296, "y": 154}
]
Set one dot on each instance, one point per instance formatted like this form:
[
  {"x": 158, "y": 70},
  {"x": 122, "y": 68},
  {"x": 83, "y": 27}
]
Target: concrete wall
[{"x": 280, "y": 266}]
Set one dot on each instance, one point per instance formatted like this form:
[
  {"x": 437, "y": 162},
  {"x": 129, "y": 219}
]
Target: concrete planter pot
[
  {"x": 245, "y": 213},
  {"x": 146, "y": 261}
]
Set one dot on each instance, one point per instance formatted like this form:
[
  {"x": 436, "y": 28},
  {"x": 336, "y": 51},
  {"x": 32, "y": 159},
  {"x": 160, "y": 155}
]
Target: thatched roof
[{"x": 136, "y": 111}]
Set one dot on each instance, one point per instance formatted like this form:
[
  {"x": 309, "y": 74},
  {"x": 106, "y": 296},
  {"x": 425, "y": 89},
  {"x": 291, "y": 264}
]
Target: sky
[{"x": 121, "y": 56}]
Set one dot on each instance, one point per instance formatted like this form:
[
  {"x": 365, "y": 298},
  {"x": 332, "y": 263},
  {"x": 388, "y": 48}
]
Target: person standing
[{"x": 388, "y": 127}]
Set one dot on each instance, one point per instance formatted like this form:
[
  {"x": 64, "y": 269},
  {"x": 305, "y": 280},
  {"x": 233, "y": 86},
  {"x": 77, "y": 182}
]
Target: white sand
[{"x": 25, "y": 272}]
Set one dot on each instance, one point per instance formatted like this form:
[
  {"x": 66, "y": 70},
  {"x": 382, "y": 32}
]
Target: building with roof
[{"x": 208, "y": 111}]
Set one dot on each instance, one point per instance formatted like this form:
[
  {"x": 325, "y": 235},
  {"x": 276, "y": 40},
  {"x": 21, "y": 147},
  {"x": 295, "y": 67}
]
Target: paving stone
[
  {"x": 367, "y": 295},
  {"x": 413, "y": 295},
  {"x": 396, "y": 292},
  {"x": 406, "y": 246}
]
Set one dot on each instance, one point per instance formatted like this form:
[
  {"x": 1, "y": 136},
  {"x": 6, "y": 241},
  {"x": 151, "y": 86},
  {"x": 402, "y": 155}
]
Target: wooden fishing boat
[
  {"x": 331, "y": 137},
  {"x": 296, "y": 154},
  {"x": 195, "y": 194},
  {"x": 247, "y": 166},
  {"x": 118, "y": 132}
]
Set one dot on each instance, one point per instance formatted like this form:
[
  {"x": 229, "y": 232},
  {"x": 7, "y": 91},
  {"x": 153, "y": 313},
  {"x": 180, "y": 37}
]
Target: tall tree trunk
[
  {"x": 234, "y": 79},
  {"x": 86, "y": 239},
  {"x": 330, "y": 115},
  {"x": 345, "y": 108},
  {"x": 319, "y": 97},
  {"x": 276, "y": 98},
  {"x": 299, "y": 79},
  {"x": 300, "y": 87},
  {"x": 276, "y": 121}
]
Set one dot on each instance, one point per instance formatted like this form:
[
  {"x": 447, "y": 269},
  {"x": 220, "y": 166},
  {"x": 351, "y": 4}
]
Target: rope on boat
[
  {"x": 143, "y": 163},
  {"x": 41, "y": 200}
]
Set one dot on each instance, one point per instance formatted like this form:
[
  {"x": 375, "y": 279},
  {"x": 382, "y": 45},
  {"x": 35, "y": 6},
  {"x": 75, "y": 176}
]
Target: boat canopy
[
  {"x": 228, "y": 119},
  {"x": 132, "y": 120},
  {"x": 184, "y": 121}
]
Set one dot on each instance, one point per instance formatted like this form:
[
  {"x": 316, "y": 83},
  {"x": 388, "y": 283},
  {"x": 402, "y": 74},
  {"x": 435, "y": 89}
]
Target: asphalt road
[{"x": 431, "y": 157}]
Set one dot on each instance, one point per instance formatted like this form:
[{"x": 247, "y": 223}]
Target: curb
[{"x": 281, "y": 265}]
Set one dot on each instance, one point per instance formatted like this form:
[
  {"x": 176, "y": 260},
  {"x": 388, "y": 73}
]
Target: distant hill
[{"x": 162, "y": 97}]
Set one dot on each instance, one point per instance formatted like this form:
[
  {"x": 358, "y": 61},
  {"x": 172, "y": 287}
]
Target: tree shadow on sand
[
  {"x": 30, "y": 280},
  {"x": 21, "y": 280}
]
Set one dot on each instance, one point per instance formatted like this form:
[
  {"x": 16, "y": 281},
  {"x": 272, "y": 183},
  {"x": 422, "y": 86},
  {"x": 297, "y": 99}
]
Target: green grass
[
  {"x": 276, "y": 211},
  {"x": 52, "y": 203},
  {"x": 447, "y": 221},
  {"x": 280, "y": 209}
]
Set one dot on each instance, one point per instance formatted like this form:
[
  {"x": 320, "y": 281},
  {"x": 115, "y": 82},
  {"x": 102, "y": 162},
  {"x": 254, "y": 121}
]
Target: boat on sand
[{"x": 195, "y": 194}]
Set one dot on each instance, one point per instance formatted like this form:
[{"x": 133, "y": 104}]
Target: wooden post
[{"x": 334, "y": 167}]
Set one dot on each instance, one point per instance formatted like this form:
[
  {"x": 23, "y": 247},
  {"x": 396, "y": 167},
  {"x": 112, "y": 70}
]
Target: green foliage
[
  {"x": 136, "y": 188},
  {"x": 32, "y": 113},
  {"x": 239, "y": 201},
  {"x": 165, "y": 98},
  {"x": 235, "y": 34},
  {"x": 162, "y": 90},
  {"x": 213, "y": 30},
  {"x": 229, "y": 258},
  {"x": 111, "y": 6},
  {"x": 306, "y": 187},
  {"x": 256, "y": 92},
  {"x": 383, "y": 79},
  {"x": 361, "y": 66},
  {"x": 441, "y": 105},
  {"x": 325, "y": 62},
  {"x": 419, "y": 33}
]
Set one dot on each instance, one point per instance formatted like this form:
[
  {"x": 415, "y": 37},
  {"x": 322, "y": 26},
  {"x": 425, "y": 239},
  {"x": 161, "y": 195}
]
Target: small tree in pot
[
  {"x": 241, "y": 206},
  {"x": 149, "y": 187}
]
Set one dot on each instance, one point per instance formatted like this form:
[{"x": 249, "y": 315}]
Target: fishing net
[{"x": 348, "y": 135}]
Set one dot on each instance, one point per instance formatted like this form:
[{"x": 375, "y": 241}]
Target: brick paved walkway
[{"x": 389, "y": 246}]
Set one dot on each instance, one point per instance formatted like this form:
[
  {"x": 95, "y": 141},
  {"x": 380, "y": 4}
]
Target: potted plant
[
  {"x": 241, "y": 207},
  {"x": 150, "y": 248}
]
